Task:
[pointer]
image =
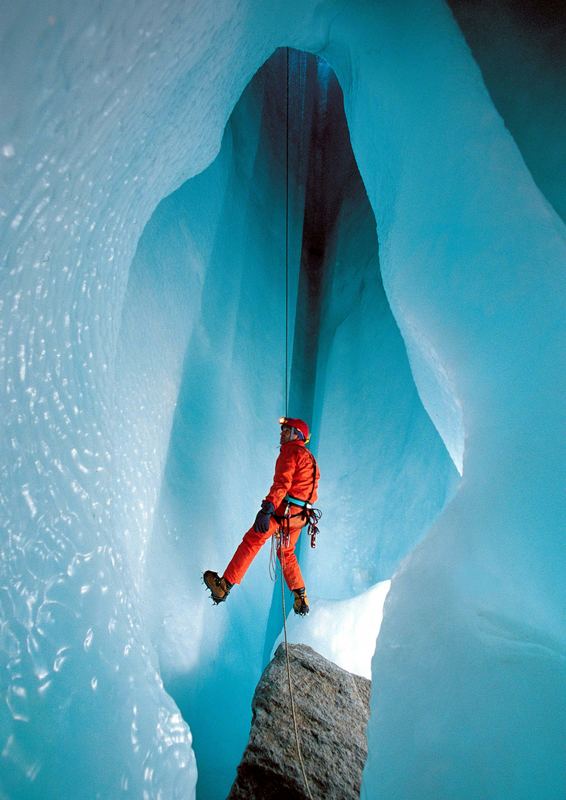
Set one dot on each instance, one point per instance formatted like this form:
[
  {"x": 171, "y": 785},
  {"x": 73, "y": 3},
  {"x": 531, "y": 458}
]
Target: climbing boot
[
  {"x": 219, "y": 587},
  {"x": 301, "y": 604}
]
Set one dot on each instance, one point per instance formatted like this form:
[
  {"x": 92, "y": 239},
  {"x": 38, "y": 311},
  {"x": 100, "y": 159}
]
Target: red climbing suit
[{"x": 295, "y": 472}]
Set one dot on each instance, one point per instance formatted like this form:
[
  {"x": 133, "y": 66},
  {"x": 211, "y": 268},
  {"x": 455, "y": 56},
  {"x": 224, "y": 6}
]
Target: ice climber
[{"x": 286, "y": 509}]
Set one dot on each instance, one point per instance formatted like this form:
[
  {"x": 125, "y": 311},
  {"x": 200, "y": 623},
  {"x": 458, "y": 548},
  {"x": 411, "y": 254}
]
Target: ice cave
[{"x": 209, "y": 211}]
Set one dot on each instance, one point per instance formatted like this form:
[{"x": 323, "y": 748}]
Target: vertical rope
[
  {"x": 281, "y": 556},
  {"x": 287, "y": 238},
  {"x": 297, "y": 740}
]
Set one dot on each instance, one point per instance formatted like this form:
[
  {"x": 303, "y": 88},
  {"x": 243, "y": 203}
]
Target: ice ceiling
[{"x": 140, "y": 367}]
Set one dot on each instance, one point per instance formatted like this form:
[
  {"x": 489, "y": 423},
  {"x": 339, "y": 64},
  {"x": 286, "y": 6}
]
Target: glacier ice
[
  {"x": 137, "y": 413},
  {"x": 343, "y": 631}
]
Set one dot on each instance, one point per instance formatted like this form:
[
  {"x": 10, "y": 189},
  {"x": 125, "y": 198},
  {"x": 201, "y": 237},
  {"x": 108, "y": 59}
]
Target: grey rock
[{"x": 332, "y": 710}]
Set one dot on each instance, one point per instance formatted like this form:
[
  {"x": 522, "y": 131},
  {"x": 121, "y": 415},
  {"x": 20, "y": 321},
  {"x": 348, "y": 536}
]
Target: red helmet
[{"x": 298, "y": 424}]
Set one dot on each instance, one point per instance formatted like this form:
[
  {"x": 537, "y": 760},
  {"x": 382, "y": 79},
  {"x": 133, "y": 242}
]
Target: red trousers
[{"x": 252, "y": 543}]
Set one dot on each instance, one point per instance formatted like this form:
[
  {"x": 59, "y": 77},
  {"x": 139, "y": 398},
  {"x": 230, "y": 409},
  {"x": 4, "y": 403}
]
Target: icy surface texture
[
  {"x": 219, "y": 228},
  {"x": 386, "y": 471},
  {"x": 96, "y": 103},
  {"x": 211, "y": 262},
  {"x": 126, "y": 382},
  {"x": 520, "y": 50},
  {"x": 472, "y": 261}
]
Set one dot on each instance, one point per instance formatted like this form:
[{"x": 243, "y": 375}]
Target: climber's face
[{"x": 287, "y": 434}]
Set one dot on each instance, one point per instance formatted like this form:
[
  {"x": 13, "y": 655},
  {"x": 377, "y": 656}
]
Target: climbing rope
[
  {"x": 302, "y": 763},
  {"x": 272, "y": 560},
  {"x": 287, "y": 237}
]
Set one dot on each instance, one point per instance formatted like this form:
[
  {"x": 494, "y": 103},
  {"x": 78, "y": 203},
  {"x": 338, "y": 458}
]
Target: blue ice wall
[
  {"x": 92, "y": 104},
  {"x": 520, "y": 50},
  {"x": 387, "y": 473},
  {"x": 211, "y": 264},
  {"x": 457, "y": 214},
  {"x": 207, "y": 288},
  {"x": 106, "y": 111}
]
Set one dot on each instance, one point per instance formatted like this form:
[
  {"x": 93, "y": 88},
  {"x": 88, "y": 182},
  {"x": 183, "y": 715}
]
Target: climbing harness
[
  {"x": 311, "y": 514},
  {"x": 294, "y": 501}
]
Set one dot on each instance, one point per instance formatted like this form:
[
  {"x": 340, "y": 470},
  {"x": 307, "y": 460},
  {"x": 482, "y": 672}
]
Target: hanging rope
[
  {"x": 272, "y": 564},
  {"x": 302, "y": 763},
  {"x": 287, "y": 237}
]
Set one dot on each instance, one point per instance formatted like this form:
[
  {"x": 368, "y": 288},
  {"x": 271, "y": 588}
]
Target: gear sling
[{"x": 310, "y": 514}]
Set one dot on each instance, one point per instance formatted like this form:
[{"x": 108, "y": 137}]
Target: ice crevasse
[{"x": 137, "y": 398}]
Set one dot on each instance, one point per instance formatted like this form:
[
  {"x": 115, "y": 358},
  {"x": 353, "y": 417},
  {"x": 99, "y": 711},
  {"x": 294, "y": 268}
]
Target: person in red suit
[{"x": 284, "y": 512}]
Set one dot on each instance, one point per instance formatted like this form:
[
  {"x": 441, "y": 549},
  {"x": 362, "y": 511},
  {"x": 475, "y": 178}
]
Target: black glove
[{"x": 261, "y": 524}]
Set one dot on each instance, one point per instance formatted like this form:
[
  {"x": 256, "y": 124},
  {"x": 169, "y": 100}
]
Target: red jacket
[{"x": 295, "y": 473}]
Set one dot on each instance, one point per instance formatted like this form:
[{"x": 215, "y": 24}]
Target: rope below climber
[{"x": 284, "y": 512}]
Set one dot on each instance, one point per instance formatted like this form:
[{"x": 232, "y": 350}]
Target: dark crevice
[{"x": 325, "y": 162}]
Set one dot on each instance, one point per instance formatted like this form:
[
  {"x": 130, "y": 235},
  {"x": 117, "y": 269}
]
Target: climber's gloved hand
[{"x": 261, "y": 524}]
